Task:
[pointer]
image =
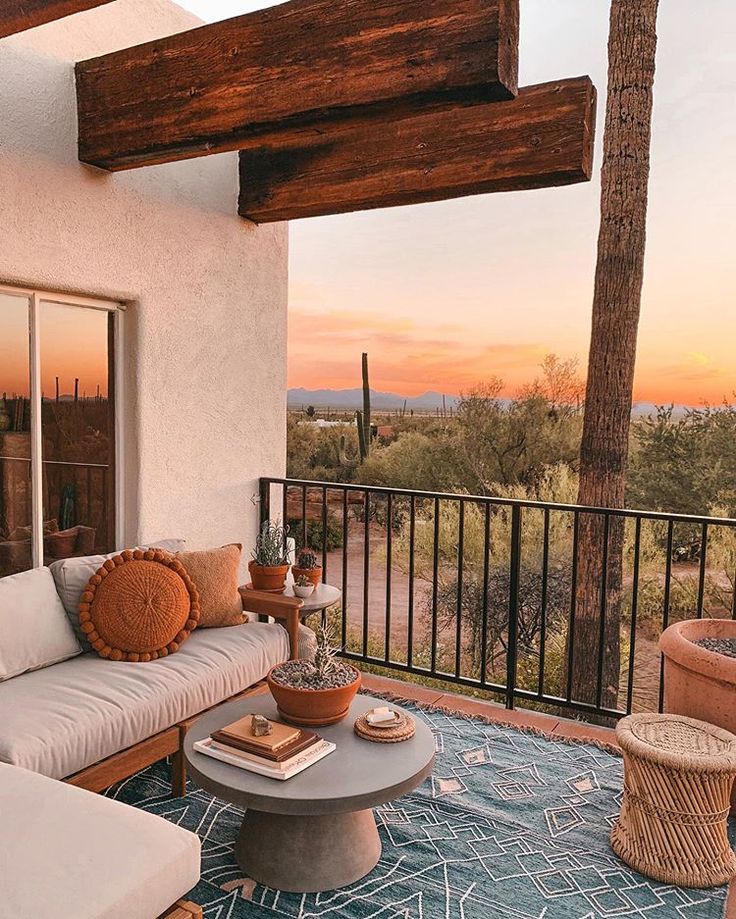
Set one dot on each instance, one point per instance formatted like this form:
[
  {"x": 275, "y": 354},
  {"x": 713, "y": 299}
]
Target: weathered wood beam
[
  {"x": 219, "y": 87},
  {"x": 544, "y": 137},
  {"x": 19, "y": 15}
]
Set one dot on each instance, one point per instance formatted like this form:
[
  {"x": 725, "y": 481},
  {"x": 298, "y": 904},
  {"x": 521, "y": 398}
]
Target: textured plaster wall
[{"x": 205, "y": 328}]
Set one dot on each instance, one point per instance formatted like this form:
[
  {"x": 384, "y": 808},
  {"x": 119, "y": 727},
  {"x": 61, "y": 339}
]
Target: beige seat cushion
[
  {"x": 215, "y": 575},
  {"x": 68, "y": 852},
  {"x": 59, "y": 720}
]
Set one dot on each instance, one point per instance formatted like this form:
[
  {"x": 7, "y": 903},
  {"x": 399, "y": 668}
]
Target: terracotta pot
[
  {"x": 697, "y": 682},
  {"x": 313, "y": 707},
  {"x": 265, "y": 578},
  {"x": 314, "y": 574}
]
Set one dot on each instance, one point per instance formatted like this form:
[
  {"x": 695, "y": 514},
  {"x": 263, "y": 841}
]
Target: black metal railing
[{"x": 487, "y": 592}]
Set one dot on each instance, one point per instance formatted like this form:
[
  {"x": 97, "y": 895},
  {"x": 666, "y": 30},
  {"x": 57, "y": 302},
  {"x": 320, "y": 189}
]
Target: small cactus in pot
[
  {"x": 270, "y": 563},
  {"x": 308, "y": 566},
  {"x": 315, "y": 693},
  {"x": 303, "y": 587}
]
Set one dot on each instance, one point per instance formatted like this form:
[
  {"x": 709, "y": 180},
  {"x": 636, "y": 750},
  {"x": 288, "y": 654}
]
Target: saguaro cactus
[{"x": 364, "y": 418}]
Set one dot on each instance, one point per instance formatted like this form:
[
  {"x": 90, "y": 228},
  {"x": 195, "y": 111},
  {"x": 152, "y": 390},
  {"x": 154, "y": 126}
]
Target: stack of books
[{"x": 283, "y": 753}]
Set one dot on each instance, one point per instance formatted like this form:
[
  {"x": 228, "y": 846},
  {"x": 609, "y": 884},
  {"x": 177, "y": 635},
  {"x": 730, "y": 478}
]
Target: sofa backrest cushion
[
  {"x": 215, "y": 575},
  {"x": 72, "y": 576},
  {"x": 34, "y": 629}
]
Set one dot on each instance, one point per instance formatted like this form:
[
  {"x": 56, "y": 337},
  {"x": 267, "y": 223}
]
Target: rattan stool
[{"x": 678, "y": 774}]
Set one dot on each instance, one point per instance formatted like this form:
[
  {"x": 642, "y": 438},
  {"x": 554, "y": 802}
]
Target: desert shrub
[{"x": 315, "y": 534}]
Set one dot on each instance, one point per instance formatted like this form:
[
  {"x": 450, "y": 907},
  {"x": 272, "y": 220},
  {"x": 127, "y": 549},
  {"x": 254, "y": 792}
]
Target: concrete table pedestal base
[{"x": 308, "y": 854}]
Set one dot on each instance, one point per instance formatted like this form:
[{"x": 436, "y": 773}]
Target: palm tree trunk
[{"x": 616, "y": 306}]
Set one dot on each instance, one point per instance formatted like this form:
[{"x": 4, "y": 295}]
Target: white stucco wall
[{"x": 205, "y": 328}]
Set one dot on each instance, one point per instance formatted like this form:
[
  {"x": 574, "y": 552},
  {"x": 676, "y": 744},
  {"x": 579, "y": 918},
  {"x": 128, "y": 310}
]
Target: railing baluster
[
  {"x": 486, "y": 575},
  {"x": 366, "y": 565},
  {"x": 666, "y": 606},
  {"x": 634, "y": 610},
  {"x": 410, "y": 621},
  {"x": 344, "y": 600},
  {"x": 389, "y": 545},
  {"x": 603, "y": 605},
  {"x": 304, "y": 519},
  {"x": 459, "y": 603},
  {"x": 435, "y": 576},
  {"x": 284, "y": 505},
  {"x": 543, "y": 604},
  {"x": 573, "y": 606},
  {"x": 513, "y": 628},
  {"x": 265, "y": 501},
  {"x": 701, "y": 573},
  {"x": 324, "y": 532}
]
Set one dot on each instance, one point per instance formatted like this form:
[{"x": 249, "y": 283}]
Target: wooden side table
[{"x": 678, "y": 775}]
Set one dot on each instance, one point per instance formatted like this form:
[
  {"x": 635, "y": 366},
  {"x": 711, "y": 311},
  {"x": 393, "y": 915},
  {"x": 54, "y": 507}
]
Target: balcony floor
[{"x": 520, "y": 717}]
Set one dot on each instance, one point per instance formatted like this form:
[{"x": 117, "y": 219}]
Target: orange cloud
[{"x": 325, "y": 348}]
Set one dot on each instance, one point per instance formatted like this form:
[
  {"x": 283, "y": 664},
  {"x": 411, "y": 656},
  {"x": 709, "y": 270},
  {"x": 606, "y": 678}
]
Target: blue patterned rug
[{"x": 512, "y": 825}]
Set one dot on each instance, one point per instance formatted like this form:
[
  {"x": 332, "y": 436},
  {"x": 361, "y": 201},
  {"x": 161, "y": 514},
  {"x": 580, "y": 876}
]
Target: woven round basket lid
[{"x": 678, "y": 741}]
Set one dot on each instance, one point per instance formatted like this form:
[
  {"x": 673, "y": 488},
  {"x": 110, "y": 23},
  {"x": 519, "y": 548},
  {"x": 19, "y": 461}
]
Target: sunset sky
[{"x": 444, "y": 295}]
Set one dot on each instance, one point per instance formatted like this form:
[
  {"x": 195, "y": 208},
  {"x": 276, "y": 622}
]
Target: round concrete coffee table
[{"x": 315, "y": 831}]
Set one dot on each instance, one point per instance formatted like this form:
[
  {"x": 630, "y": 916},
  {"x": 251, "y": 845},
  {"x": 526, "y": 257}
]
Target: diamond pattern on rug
[{"x": 512, "y": 825}]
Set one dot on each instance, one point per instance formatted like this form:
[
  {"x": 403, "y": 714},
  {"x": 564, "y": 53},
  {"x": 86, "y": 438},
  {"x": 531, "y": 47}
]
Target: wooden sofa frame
[{"x": 125, "y": 763}]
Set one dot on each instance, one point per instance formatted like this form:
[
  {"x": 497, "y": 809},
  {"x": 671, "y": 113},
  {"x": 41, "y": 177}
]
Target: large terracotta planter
[
  {"x": 264, "y": 578},
  {"x": 313, "y": 707},
  {"x": 697, "y": 682}
]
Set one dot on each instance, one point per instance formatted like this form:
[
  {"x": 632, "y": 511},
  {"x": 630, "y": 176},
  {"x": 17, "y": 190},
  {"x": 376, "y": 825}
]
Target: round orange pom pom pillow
[{"x": 141, "y": 605}]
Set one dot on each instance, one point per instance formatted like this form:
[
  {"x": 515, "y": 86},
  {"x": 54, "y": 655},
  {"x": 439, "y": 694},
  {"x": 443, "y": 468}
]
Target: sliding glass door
[
  {"x": 16, "y": 499},
  {"x": 58, "y": 429}
]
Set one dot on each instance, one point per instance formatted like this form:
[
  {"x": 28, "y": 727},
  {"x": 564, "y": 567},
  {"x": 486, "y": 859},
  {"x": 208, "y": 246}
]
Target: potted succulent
[
  {"x": 270, "y": 563},
  {"x": 307, "y": 566},
  {"x": 303, "y": 587},
  {"x": 314, "y": 694}
]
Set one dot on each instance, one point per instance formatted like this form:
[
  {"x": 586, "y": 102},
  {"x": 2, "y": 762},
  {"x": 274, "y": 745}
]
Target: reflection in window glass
[
  {"x": 16, "y": 552},
  {"x": 78, "y": 431}
]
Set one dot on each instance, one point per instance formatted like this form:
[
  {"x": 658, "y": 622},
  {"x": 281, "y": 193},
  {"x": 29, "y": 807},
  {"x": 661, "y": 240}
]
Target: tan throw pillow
[
  {"x": 215, "y": 573},
  {"x": 139, "y": 606}
]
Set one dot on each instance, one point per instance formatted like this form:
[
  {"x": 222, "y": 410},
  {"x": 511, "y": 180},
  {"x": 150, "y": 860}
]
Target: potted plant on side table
[
  {"x": 270, "y": 563},
  {"x": 314, "y": 694},
  {"x": 307, "y": 566},
  {"x": 303, "y": 587}
]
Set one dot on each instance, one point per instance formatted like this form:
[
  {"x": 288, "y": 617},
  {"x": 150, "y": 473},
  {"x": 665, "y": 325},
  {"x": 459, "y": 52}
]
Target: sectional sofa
[{"x": 71, "y": 715}]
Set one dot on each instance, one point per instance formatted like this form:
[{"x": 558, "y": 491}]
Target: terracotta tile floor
[{"x": 547, "y": 723}]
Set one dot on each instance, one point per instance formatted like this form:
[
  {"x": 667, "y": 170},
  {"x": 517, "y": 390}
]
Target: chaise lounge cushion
[
  {"x": 62, "y": 719},
  {"x": 68, "y": 852}
]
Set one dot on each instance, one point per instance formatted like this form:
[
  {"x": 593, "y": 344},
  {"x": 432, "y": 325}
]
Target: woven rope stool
[{"x": 678, "y": 774}]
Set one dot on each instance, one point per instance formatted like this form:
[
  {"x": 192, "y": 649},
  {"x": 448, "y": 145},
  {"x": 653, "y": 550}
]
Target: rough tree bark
[{"x": 619, "y": 275}]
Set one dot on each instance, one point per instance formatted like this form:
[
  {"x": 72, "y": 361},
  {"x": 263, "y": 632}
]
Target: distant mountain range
[
  {"x": 351, "y": 399},
  {"x": 347, "y": 399}
]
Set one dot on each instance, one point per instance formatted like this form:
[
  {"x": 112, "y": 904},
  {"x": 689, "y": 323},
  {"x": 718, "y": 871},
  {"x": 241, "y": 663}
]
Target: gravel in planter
[
  {"x": 725, "y": 646},
  {"x": 302, "y": 675}
]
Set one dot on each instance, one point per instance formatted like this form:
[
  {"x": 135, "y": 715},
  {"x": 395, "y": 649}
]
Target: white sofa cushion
[
  {"x": 64, "y": 718},
  {"x": 34, "y": 628},
  {"x": 67, "y": 852}
]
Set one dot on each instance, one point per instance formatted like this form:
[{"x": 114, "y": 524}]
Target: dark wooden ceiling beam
[
  {"x": 285, "y": 69},
  {"x": 544, "y": 137},
  {"x": 19, "y": 15}
]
